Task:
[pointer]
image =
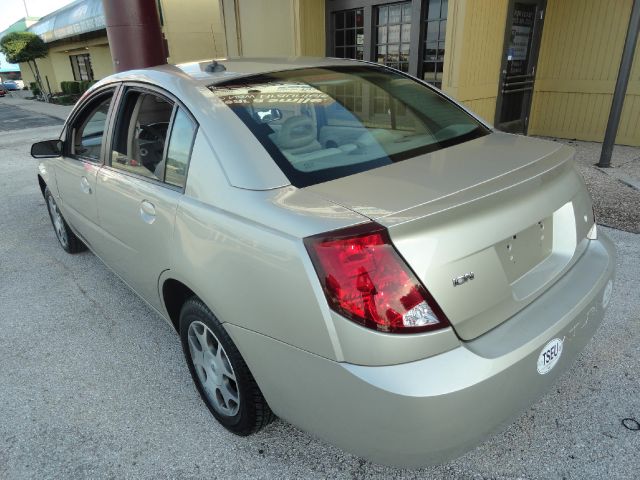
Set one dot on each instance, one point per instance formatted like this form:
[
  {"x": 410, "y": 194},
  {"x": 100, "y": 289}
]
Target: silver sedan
[{"x": 337, "y": 244}]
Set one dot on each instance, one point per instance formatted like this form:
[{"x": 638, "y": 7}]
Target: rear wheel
[
  {"x": 220, "y": 373},
  {"x": 68, "y": 240}
]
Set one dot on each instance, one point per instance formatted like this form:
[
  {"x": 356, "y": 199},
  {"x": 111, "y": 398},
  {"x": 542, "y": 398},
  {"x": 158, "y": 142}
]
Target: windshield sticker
[{"x": 272, "y": 93}]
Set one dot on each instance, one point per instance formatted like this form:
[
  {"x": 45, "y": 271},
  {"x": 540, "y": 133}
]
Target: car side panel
[
  {"x": 250, "y": 276},
  {"x": 248, "y": 272},
  {"x": 136, "y": 245},
  {"x": 47, "y": 171},
  {"x": 76, "y": 183}
]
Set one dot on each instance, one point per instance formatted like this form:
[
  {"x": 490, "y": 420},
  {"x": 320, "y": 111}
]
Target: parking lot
[{"x": 93, "y": 383}]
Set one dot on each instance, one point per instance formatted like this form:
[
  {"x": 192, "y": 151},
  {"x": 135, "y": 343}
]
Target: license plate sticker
[{"x": 549, "y": 355}]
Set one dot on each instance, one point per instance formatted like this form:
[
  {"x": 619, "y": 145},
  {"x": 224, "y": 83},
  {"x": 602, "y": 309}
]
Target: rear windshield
[{"x": 320, "y": 124}]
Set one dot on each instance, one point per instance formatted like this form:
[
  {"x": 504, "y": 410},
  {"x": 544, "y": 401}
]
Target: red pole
[{"x": 135, "y": 35}]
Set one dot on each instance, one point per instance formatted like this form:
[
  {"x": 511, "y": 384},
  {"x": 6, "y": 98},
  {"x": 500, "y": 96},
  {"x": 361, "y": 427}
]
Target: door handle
[
  {"x": 147, "y": 212},
  {"x": 85, "y": 186}
]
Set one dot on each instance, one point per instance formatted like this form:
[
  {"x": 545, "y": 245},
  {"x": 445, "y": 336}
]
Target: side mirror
[{"x": 47, "y": 149}]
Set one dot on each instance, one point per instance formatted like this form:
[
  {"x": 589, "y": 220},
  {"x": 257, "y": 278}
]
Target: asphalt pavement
[
  {"x": 93, "y": 383},
  {"x": 16, "y": 118}
]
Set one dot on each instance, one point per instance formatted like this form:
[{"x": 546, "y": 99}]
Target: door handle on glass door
[
  {"x": 147, "y": 212},
  {"x": 85, "y": 186}
]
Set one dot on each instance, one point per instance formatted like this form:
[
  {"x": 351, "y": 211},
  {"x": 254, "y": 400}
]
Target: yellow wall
[
  {"x": 310, "y": 28},
  {"x": 193, "y": 29},
  {"x": 275, "y": 27},
  {"x": 101, "y": 60},
  {"x": 46, "y": 69},
  {"x": 266, "y": 28},
  {"x": 473, "y": 53},
  {"x": 582, "y": 44},
  {"x": 57, "y": 65}
]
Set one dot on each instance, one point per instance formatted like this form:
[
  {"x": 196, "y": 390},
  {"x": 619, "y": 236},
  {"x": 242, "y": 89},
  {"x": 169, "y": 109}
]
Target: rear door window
[{"x": 183, "y": 135}]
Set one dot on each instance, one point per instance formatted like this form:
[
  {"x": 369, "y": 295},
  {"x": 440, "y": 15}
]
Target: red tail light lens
[{"x": 365, "y": 279}]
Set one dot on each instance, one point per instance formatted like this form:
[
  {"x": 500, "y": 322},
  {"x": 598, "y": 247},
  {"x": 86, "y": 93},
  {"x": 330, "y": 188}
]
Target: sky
[{"x": 14, "y": 10}]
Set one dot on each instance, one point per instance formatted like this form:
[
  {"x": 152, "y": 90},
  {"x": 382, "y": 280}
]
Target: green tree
[{"x": 25, "y": 47}]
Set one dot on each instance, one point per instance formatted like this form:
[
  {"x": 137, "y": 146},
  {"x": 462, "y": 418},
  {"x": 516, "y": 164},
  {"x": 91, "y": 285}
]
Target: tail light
[{"x": 365, "y": 279}]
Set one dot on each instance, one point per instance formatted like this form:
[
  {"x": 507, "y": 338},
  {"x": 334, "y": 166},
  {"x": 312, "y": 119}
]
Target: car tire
[
  {"x": 68, "y": 240},
  {"x": 219, "y": 372}
]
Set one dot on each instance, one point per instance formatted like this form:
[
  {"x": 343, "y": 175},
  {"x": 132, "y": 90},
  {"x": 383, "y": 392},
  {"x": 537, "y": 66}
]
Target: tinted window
[
  {"x": 89, "y": 130},
  {"x": 141, "y": 133},
  {"x": 326, "y": 123},
  {"x": 179, "y": 151}
]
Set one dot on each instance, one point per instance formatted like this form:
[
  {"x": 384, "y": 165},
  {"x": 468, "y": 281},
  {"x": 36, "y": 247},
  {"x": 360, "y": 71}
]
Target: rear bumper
[{"x": 435, "y": 409}]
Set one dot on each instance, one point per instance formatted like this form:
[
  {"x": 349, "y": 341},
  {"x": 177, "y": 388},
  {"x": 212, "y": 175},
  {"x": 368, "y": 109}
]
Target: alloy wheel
[
  {"x": 214, "y": 370},
  {"x": 58, "y": 222}
]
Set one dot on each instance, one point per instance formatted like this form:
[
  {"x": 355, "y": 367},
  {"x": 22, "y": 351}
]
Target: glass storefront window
[
  {"x": 393, "y": 27},
  {"x": 81, "y": 67},
  {"x": 348, "y": 33},
  {"x": 435, "y": 31},
  {"x": 387, "y": 31}
]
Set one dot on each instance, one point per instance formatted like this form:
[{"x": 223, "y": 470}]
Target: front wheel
[
  {"x": 220, "y": 373},
  {"x": 68, "y": 240}
]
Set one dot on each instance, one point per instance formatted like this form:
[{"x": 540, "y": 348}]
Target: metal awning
[{"x": 82, "y": 16}]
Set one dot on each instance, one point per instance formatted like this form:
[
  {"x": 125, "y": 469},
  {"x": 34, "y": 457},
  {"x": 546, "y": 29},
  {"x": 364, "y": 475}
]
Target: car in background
[
  {"x": 11, "y": 85},
  {"x": 336, "y": 243}
]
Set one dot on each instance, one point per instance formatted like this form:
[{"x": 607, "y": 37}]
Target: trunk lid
[{"x": 510, "y": 211}]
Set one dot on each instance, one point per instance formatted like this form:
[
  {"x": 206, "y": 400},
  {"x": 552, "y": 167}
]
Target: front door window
[{"x": 88, "y": 132}]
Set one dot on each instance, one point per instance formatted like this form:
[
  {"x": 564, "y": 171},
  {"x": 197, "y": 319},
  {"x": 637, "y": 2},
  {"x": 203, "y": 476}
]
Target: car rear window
[{"x": 324, "y": 123}]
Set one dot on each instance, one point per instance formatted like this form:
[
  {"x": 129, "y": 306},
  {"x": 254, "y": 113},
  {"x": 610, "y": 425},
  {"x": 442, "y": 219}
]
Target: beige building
[{"x": 544, "y": 67}]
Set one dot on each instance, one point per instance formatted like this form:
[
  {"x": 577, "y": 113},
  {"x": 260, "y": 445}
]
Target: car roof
[
  {"x": 212, "y": 71},
  {"x": 243, "y": 66}
]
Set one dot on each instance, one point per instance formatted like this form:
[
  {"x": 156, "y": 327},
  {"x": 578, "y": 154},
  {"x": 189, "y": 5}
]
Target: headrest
[{"x": 296, "y": 132}]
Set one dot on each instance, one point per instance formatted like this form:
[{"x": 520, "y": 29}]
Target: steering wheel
[
  {"x": 156, "y": 132},
  {"x": 151, "y": 141}
]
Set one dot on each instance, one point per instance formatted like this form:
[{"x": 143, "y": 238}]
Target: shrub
[
  {"x": 35, "y": 89},
  {"x": 71, "y": 88},
  {"x": 84, "y": 85},
  {"x": 74, "y": 88},
  {"x": 65, "y": 100}
]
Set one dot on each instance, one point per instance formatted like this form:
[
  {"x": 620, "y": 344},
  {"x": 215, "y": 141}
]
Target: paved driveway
[
  {"x": 15, "y": 118},
  {"x": 93, "y": 384}
]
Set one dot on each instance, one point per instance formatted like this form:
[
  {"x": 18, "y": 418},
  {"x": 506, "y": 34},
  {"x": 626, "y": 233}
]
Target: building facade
[
  {"x": 79, "y": 49},
  {"x": 542, "y": 67}
]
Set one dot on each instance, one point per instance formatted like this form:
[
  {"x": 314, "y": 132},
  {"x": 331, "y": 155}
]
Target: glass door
[{"x": 522, "y": 42}]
